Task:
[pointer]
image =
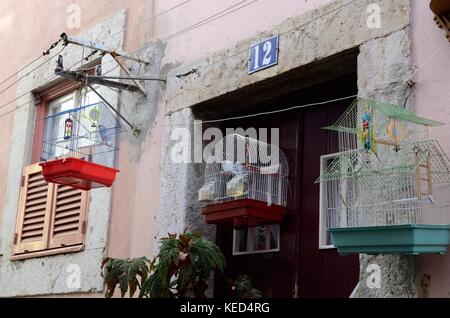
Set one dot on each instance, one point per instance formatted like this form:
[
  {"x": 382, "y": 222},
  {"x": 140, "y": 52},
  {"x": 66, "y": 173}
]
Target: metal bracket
[
  {"x": 99, "y": 47},
  {"x": 83, "y": 77},
  {"x": 141, "y": 88},
  {"x": 80, "y": 76},
  {"x": 140, "y": 78},
  {"x": 115, "y": 54}
]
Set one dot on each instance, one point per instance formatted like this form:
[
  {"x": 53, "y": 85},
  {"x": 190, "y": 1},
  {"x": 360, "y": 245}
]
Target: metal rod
[
  {"x": 141, "y": 78},
  {"x": 81, "y": 77},
  {"x": 141, "y": 88},
  {"x": 114, "y": 84},
  {"x": 134, "y": 128},
  {"x": 98, "y": 46}
]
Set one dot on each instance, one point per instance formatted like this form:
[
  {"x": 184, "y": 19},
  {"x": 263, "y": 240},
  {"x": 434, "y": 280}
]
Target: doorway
[
  {"x": 290, "y": 263},
  {"x": 296, "y": 267}
]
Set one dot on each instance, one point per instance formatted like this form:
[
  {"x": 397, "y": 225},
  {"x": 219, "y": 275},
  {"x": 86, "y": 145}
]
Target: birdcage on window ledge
[
  {"x": 245, "y": 183},
  {"x": 79, "y": 147},
  {"x": 387, "y": 191}
]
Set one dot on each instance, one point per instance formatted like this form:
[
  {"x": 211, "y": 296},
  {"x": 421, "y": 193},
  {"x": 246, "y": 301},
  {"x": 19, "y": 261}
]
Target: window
[
  {"x": 51, "y": 218},
  {"x": 325, "y": 240},
  {"x": 61, "y": 104},
  {"x": 59, "y": 146},
  {"x": 259, "y": 239}
]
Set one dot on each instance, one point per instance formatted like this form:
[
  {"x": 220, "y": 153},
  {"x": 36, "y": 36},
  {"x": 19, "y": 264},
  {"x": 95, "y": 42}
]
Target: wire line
[
  {"x": 4, "y": 105},
  {"x": 279, "y": 110},
  {"x": 77, "y": 49},
  {"x": 196, "y": 25},
  {"x": 200, "y": 23}
]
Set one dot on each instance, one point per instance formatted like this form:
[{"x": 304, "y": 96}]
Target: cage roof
[
  {"x": 355, "y": 164},
  {"x": 347, "y": 122}
]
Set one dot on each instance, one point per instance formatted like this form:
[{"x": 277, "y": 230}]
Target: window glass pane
[
  {"x": 260, "y": 238},
  {"x": 330, "y": 203},
  {"x": 61, "y": 104},
  {"x": 333, "y": 204},
  {"x": 83, "y": 126},
  {"x": 273, "y": 232},
  {"x": 242, "y": 240},
  {"x": 91, "y": 97},
  {"x": 257, "y": 239},
  {"x": 54, "y": 135}
]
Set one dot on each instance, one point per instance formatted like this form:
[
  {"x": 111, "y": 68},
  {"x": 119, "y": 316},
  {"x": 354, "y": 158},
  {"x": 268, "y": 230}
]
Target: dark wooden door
[
  {"x": 322, "y": 272},
  {"x": 299, "y": 269}
]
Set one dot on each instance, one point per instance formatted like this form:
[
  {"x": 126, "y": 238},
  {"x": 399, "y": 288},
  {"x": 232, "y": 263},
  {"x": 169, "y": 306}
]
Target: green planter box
[{"x": 398, "y": 239}]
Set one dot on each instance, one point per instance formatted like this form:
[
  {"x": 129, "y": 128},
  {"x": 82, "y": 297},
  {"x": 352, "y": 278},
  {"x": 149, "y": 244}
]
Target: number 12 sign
[{"x": 263, "y": 54}]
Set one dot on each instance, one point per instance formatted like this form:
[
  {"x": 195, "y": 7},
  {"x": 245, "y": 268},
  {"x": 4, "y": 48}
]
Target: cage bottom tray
[
  {"x": 78, "y": 173},
  {"x": 398, "y": 239},
  {"x": 243, "y": 213}
]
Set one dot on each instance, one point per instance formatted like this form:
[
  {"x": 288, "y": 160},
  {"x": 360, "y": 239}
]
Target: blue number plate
[{"x": 263, "y": 54}]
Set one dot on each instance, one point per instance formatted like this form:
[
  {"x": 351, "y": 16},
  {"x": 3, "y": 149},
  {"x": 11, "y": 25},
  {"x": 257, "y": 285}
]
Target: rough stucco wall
[
  {"x": 384, "y": 68},
  {"x": 178, "y": 209},
  {"x": 225, "y": 31},
  {"x": 312, "y": 36},
  {"x": 40, "y": 276}
]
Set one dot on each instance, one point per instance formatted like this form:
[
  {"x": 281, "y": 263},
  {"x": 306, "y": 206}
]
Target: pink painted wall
[
  {"x": 224, "y": 32},
  {"x": 28, "y": 27},
  {"x": 431, "y": 98}
]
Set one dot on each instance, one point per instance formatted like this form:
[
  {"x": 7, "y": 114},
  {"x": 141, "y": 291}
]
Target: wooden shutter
[
  {"x": 49, "y": 215},
  {"x": 35, "y": 203},
  {"x": 68, "y": 219}
]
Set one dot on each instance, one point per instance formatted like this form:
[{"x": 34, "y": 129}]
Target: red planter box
[
  {"x": 243, "y": 213},
  {"x": 77, "y": 173}
]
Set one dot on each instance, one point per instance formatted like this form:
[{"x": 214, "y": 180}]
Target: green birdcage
[{"x": 386, "y": 176}]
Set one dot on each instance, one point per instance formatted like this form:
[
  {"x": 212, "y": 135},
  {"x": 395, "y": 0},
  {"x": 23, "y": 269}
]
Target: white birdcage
[
  {"x": 242, "y": 168},
  {"x": 369, "y": 124},
  {"x": 80, "y": 145},
  {"x": 85, "y": 132},
  {"x": 386, "y": 176},
  {"x": 411, "y": 188}
]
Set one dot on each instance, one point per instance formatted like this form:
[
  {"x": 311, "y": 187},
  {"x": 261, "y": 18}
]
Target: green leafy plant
[
  {"x": 243, "y": 288},
  {"x": 180, "y": 269},
  {"x": 129, "y": 274}
]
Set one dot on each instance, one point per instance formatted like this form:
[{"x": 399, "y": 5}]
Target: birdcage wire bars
[
  {"x": 245, "y": 168},
  {"x": 79, "y": 147},
  {"x": 87, "y": 132},
  {"x": 401, "y": 178},
  {"x": 391, "y": 125}
]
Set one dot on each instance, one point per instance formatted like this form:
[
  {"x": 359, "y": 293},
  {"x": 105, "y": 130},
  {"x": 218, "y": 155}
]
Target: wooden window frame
[
  {"x": 42, "y": 107},
  {"x": 323, "y": 205},
  {"x": 48, "y": 247},
  {"x": 248, "y": 252}
]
